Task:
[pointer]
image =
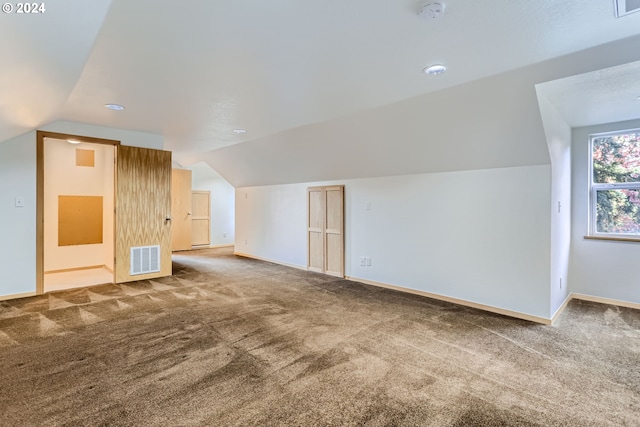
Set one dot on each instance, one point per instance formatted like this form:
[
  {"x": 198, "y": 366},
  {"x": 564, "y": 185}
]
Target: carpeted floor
[{"x": 228, "y": 341}]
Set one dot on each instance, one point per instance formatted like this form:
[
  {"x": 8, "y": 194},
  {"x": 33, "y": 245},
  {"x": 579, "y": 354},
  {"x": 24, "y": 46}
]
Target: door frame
[{"x": 40, "y": 136}]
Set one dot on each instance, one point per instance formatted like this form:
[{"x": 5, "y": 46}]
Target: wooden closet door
[
  {"x": 315, "y": 229},
  {"x": 180, "y": 209},
  {"x": 201, "y": 219},
  {"x": 143, "y": 204},
  {"x": 325, "y": 232},
  {"x": 334, "y": 227}
]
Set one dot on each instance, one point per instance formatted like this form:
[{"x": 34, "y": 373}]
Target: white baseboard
[
  {"x": 560, "y": 309},
  {"x": 489, "y": 308},
  {"x": 16, "y": 296},
  {"x": 226, "y": 245},
  {"x": 458, "y": 301},
  {"x": 299, "y": 267},
  {"x": 69, "y": 270},
  {"x": 609, "y": 301}
]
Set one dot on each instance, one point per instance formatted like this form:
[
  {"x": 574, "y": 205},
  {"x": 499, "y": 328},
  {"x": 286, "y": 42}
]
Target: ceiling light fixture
[
  {"x": 114, "y": 107},
  {"x": 431, "y": 11},
  {"x": 435, "y": 69},
  {"x": 73, "y": 141},
  {"x": 239, "y": 131}
]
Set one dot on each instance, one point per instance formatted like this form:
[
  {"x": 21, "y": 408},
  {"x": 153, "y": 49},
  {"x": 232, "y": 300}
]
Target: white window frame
[{"x": 594, "y": 187}]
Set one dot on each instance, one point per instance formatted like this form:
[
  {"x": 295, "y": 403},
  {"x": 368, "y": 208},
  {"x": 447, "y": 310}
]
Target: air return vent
[
  {"x": 625, "y": 7},
  {"x": 145, "y": 259}
]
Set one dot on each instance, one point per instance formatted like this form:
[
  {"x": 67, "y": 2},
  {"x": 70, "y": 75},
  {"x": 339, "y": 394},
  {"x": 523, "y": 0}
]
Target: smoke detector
[{"x": 431, "y": 11}]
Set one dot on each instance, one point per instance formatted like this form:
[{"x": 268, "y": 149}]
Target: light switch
[
  {"x": 19, "y": 202},
  {"x": 367, "y": 206}
]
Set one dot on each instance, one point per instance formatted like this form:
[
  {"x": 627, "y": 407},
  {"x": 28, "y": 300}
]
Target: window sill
[{"x": 614, "y": 239}]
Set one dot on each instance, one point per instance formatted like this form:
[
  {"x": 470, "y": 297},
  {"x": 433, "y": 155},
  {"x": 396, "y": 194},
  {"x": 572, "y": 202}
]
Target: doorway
[
  {"x": 78, "y": 217},
  {"x": 142, "y": 218}
]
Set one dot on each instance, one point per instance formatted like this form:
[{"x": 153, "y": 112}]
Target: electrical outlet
[
  {"x": 368, "y": 259},
  {"x": 362, "y": 261},
  {"x": 224, "y": 234},
  {"x": 246, "y": 242}
]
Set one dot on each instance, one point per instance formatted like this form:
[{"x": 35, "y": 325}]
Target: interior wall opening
[{"x": 78, "y": 217}]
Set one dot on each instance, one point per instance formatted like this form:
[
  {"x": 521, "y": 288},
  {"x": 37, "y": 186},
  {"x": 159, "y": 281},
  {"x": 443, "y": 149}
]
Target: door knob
[{"x": 188, "y": 213}]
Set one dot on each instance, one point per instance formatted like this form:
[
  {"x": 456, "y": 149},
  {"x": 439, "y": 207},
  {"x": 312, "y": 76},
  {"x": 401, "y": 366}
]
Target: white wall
[
  {"x": 204, "y": 178},
  {"x": 481, "y": 236},
  {"x": 18, "y": 178},
  {"x": 63, "y": 177},
  {"x": 558, "y": 134},
  {"x": 605, "y": 269},
  {"x": 18, "y": 225}
]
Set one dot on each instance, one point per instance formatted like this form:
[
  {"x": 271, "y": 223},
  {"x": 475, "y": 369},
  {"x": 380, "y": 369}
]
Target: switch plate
[
  {"x": 368, "y": 259},
  {"x": 367, "y": 206},
  {"x": 362, "y": 261},
  {"x": 19, "y": 202}
]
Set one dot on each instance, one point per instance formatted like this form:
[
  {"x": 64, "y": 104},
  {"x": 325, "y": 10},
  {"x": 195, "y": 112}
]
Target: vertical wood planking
[{"x": 143, "y": 201}]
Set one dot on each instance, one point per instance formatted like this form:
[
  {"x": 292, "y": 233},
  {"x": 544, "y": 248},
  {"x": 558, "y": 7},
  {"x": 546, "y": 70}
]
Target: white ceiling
[
  {"x": 193, "y": 71},
  {"x": 604, "y": 96}
]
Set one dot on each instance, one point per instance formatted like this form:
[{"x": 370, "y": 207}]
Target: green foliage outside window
[{"x": 616, "y": 179}]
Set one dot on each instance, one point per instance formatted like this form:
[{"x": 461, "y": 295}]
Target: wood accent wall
[{"x": 143, "y": 201}]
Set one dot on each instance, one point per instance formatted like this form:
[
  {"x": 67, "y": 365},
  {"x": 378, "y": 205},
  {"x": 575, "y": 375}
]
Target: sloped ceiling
[
  {"x": 603, "y": 96},
  {"x": 42, "y": 57},
  {"x": 301, "y": 77}
]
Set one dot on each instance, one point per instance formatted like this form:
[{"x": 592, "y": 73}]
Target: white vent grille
[
  {"x": 625, "y": 7},
  {"x": 145, "y": 259}
]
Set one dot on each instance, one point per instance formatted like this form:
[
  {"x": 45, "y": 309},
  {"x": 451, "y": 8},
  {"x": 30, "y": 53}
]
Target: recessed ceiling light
[
  {"x": 239, "y": 131},
  {"x": 114, "y": 107},
  {"x": 73, "y": 141},
  {"x": 436, "y": 69}
]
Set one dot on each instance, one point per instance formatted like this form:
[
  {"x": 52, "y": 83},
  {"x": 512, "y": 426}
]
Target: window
[{"x": 615, "y": 184}]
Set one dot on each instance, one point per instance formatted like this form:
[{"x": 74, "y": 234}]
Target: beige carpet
[{"x": 228, "y": 341}]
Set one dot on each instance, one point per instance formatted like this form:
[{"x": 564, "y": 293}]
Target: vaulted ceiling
[{"x": 298, "y": 74}]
